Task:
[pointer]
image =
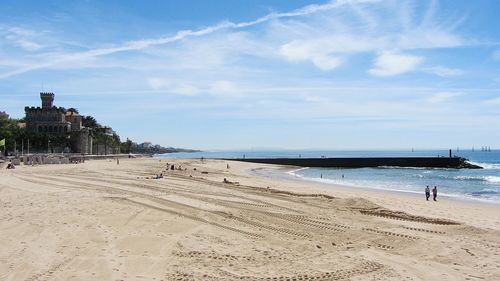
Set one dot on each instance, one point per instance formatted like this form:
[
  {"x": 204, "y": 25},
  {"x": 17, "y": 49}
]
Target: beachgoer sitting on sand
[
  {"x": 11, "y": 166},
  {"x": 230, "y": 182}
]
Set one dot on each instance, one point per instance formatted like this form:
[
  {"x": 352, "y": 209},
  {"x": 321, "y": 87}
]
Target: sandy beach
[{"x": 102, "y": 221}]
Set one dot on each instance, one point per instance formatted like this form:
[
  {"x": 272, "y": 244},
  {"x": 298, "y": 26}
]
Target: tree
[
  {"x": 126, "y": 146},
  {"x": 72, "y": 109},
  {"x": 89, "y": 122},
  {"x": 8, "y": 131}
]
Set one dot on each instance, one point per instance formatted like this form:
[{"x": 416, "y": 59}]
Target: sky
[{"x": 250, "y": 74}]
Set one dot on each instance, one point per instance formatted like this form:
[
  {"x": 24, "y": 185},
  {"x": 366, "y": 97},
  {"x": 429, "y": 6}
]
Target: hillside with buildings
[{"x": 52, "y": 129}]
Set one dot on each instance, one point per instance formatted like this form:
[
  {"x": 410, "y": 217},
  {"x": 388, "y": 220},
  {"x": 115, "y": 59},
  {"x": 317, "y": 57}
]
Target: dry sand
[{"x": 103, "y": 221}]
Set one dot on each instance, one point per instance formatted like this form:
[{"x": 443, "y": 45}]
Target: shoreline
[
  {"x": 285, "y": 172},
  {"x": 394, "y": 200}
]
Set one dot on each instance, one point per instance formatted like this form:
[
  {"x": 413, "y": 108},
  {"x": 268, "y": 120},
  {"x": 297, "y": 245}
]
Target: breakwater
[{"x": 366, "y": 162}]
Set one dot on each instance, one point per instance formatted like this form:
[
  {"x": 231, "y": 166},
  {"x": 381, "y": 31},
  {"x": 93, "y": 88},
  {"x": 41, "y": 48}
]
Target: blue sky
[{"x": 240, "y": 74}]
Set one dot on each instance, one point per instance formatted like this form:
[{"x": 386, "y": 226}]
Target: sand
[{"x": 103, "y": 221}]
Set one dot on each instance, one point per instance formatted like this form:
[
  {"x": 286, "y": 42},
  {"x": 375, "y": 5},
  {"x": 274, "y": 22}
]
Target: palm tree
[{"x": 89, "y": 122}]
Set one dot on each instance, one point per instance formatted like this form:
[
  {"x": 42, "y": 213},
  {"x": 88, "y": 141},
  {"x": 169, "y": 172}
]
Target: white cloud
[
  {"x": 183, "y": 34},
  {"x": 296, "y": 51},
  {"x": 21, "y": 37},
  {"x": 162, "y": 85},
  {"x": 186, "y": 90},
  {"x": 29, "y": 45},
  {"x": 429, "y": 38},
  {"x": 443, "y": 97},
  {"x": 327, "y": 62},
  {"x": 185, "y": 87},
  {"x": 390, "y": 64},
  {"x": 224, "y": 88},
  {"x": 158, "y": 83},
  {"x": 323, "y": 35},
  {"x": 444, "y": 71},
  {"x": 357, "y": 29},
  {"x": 326, "y": 53}
]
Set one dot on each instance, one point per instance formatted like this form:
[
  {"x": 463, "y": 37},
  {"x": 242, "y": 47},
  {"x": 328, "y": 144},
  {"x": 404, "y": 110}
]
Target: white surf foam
[
  {"x": 488, "y": 166},
  {"x": 492, "y": 179}
]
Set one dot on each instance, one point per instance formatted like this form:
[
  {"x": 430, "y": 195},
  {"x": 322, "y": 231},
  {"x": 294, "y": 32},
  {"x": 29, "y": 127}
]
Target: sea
[{"x": 468, "y": 184}]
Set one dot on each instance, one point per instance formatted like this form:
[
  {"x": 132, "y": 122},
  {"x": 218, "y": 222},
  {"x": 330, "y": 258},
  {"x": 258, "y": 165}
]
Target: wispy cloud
[
  {"x": 221, "y": 88},
  {"x": 390, "y": 63},
  {"x": 20, "y": 37},
  {"x": 327, "y": 52},
  {"x": 180, "y": 35},
  {"x": 326, "y": 41},
  {"x": 443, "y": 97},
  {"x": 444, "y": 71},
  {"x": 337, "y": 39}
]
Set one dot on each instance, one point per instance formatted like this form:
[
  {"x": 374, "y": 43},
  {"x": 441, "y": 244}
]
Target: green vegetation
[
  {"x": 16, "y": 136},
  {"x": 103, "y": 138},
  {"x": 8, "y": 131}
]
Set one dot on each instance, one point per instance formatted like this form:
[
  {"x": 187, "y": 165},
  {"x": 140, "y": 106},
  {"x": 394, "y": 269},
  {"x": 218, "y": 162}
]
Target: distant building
[
  {"x": 107, "y": 130},
  {"x": 4, "y": 114},
  {"x": 54, "y": 120},
  {"x": 146, "y": 144}
]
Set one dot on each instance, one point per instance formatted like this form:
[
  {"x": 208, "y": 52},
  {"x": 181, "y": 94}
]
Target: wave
[
  {"x": 487, "y": 166},
  {"x": 406, "y": 168},
  {"x": 492, "y": 179},
  {"x": 484, "y": 195},
  {"x": 485, "y": 192},
  {"x": 294, "y": 172},
  {"x": 490, "y": 195}
]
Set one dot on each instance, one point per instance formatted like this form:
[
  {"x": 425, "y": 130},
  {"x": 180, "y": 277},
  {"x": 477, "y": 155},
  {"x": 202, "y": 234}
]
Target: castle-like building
[{"x": 54, "y": 120}]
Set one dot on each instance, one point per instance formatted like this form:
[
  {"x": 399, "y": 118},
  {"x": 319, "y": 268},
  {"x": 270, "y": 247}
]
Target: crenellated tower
[
  {"x": 56, "y": 121},
  {"x": 47, "y": 99}
]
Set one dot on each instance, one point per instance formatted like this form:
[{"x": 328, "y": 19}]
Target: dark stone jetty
[{"x": 365, "y": 162}]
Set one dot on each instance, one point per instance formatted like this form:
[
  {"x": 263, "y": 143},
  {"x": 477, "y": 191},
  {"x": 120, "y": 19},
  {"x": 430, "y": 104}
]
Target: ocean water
[{"x": 470, "y": 184}]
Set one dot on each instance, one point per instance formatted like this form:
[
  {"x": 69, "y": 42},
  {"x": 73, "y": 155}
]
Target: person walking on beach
[
  {"x": 427, "y": 193},
  {"x": 435, "y": 192}
]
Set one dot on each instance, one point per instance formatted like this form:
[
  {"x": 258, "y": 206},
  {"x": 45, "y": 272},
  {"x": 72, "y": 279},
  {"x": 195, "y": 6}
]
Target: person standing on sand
[
  {"x": 435, "y": 192},
  {"x": 427, "y": 193}
]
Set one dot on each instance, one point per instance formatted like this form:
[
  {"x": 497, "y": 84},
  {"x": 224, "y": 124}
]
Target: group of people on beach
[{"x": 428, "y": 193}]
